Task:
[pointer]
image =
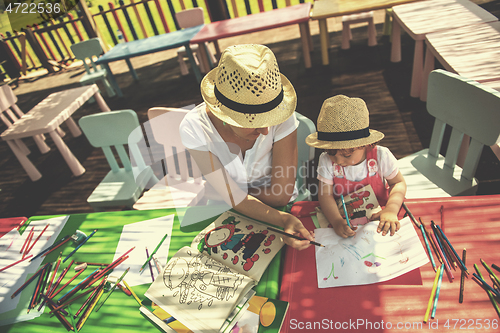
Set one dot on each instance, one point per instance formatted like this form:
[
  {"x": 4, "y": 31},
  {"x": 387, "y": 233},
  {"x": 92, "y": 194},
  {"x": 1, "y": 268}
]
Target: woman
[{"x": 244, "y": 137}]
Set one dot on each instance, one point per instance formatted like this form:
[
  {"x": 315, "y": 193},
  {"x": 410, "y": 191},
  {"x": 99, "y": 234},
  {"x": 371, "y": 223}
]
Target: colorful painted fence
[{"x": 48, "y": 46}]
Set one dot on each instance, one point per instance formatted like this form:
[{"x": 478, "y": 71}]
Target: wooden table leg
[
  {"x": 428, "y": 67},
  {"x": 418, "y": 67},
  {"x": 305, "y": 43},
  {"x": 325, "y": 41},
  {"x": 73, "y": 127},
  {"x": 68, "y": 156},
  {"x": 112, "y": 80},
  {"x": 196, "y": 69},
  {"x": 101, "y": 102},
  {"x": 395, "y": 41},
  {"x": 30, "y": 169}
]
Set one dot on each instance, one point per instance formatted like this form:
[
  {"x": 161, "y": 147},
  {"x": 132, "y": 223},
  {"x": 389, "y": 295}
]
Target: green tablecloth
[{"x": 120, "y": 314}]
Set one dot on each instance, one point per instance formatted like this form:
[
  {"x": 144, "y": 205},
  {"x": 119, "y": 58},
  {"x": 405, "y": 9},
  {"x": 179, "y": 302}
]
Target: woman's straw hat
[
  {"x": 247, "y": 90},
  {"x": 343, "y": 123}
]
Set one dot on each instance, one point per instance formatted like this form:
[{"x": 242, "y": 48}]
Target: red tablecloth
[{"x": 400, "y": 304}]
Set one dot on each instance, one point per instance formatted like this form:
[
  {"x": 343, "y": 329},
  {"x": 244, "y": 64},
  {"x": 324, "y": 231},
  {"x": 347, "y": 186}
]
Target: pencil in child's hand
[
  {"x": 345, "y": 211},
  {"x": 293, "y": 236}
]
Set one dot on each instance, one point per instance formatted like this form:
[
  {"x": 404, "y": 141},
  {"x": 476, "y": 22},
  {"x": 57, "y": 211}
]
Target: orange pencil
[{"x": 36, "y": 240}]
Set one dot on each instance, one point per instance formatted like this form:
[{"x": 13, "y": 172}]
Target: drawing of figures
[{"x": 200, "y": 279}]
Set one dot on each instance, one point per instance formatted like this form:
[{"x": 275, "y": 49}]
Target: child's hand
[
  {"x": 342, "y": 229},
  {"x": 388, "y": 221}
]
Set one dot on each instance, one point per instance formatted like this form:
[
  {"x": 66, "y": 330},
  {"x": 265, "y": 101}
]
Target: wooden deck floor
[{"x": 361, "y": 71}]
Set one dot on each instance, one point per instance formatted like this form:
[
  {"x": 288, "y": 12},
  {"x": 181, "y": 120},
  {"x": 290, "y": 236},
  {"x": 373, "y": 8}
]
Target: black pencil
[
  {"x": 462, "y": 279},
  {"x": 293, "y": 236}
]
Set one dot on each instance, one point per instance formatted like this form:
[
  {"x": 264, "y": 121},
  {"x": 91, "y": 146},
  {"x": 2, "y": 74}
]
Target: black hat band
[
  {"x": 344, "y": 136},
  {"x": 249, "y": 108}
]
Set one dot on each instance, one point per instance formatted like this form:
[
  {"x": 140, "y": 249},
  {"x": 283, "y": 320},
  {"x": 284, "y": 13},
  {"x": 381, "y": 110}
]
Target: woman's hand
[{"x": 292, "y": 225}]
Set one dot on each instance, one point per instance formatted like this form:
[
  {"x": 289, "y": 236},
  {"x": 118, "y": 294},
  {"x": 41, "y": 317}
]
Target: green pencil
[
  {"x": 112, "y": 289},
  {"x": 153, "y": 253}
]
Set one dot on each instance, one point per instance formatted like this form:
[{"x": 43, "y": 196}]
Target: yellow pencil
[
  {"x": 133, "y": 294},
  {"x": 84, "y": 319},
  {"x": 431, "y": 299}
]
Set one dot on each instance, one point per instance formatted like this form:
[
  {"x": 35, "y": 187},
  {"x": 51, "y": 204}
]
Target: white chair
[
  {"x": 347, "y": 20},
  {"x": 189, "y": 18},
  {"x": 471, "y": 110},
  {"x": 305, "y": 155},
  {"x": 8, "y": 102},
  {"x": 86, "y": 51},
  {"x": 121, "y": 186},
  {"x": 179, "y": 187}
]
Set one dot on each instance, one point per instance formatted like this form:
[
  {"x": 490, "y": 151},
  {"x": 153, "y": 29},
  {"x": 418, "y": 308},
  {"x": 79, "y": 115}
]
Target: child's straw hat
[
  {"x": 247, "y": 90},
  {"x": 343, "y": 123}
]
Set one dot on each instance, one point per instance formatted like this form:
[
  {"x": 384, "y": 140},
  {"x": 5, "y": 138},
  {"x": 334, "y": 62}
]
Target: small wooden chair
[
  {"x": 122, "y": 186},
  {"x": 471, "y": 110},
  {"x": 347, "y": 20}
]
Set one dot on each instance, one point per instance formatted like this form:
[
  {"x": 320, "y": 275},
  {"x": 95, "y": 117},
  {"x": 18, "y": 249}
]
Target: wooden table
[
  {"x": 298, "y": 14},
  {"x": 421, "y": 18},
  {"x": 469, "y": 222},
  {"x": 46, "y": 117},
  {"x": 324, "y": 9},
  {"x": 167, "y": 41},
  {"x": 471, "y": 51}
]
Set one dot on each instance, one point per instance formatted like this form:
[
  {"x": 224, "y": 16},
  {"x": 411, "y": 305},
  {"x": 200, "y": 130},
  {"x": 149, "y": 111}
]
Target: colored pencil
[
  {"x": 489, "y": 270},
  {"x": 25, "y": 284},
  {"x": 54, "y": 272},
  {"x": 69, "y": 301},
  {"x": 462, "y": 264},
  {"x": 449, "y": 257},
  {"x": 112, "y": 289},
  {"x": 157, "y": 264},
  {"x": 153, "y": 253},
  {"x": 292, "y": 236},
  {"x": 441, "y": 211},
  {"x": 66, "y": 284},
  {"x": 412, "y": 218},
  {"x": 445, "y": 262},
  {"x": 72, "y": 318},
  {"x": 436, "y": 252},
  {"x": 30, "y": 237},
  {"x": 462, "y": 278},
  {"x": 52, "y": 247},
  {"x": 495, "y": 282},
  {"x": 429, "y": 252},
  {"x": 36, "y": 240},
  {"x": 479, "y": 276},
  {"x": 60, "y": 317},
  {"x": 87, "y": 313},
  {"x": 434, "y": 307},
  {"x": 96, "y": 289},
  {"x": 75, "y": 288},
  {"x": 91, "y": 263},
  {"x": 345, "y": 211},
  {"x": 490, "y": 294},
  {"x": 15, "y": 263},
  {"x": 31, "y": 304},
  {"x": 431, "y": 298},
  {"x": 150, "y": 266},
  {"x": 80, "y": 245},
  {"x": 495, "y": 267},
  {"x": 107, "y": 269},
  {"x": 26, "y": 240},
  {"x": 55, "y": 247},
  {"x": 59, "y": 279},
  {"x": 40, "y": 299},
  {"x": 132, "y": 292}
]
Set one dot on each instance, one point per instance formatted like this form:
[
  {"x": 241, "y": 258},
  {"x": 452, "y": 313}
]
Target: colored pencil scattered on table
[
  {"x": 77, "y": 287},
  {"x": 52, "y": 247},
  {"x": 462, "y": 278},
  {"x": 490, "y": 294},
  {"x": 96, "y": 290},
  {"x": 433, "y": 292},
  {"x": 153, "y": 253},
  {"x": 495, "y": 267},
  {"x": 293, "y": 236},
  {"x": 33, "y": 277},
  {"x": 88, "y": 311},
  {"x": 37, "y": 238},
  {"x": 445, "y": 262},
  {"x": 26, "y": 240},
  {"x": 438, "y": 289},
  {"x": 112, "y": 289},
  {"x": 73, "y": 323},
  {"x": 69, "y": 301},
  {"x": 30, "y": 237},
  {"x": 412, "y": 218},
  {"x": 429, "y": 252},
  {"x": 490, "y": 271},
  {"x": 132, "y": 292},
  {"x": 59, "y": 279},
  {"x": 15, "y": 263},
  {"x": 109, "y": 267},
  {"x": 80, "y": 245},
  {"x": 150, "y": 266},
  {"x": 460, "y": 262},
  {"x": 66, "y": 284}
]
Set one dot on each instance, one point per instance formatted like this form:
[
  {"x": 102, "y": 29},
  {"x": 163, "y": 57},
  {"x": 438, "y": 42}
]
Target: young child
[{"x": 351, "y": 160}]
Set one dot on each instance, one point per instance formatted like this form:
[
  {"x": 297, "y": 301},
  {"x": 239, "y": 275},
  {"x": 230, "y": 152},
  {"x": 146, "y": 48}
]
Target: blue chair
[
  {"x": 122, "y": 186},
  {"x": 471, "y": 110},
  {"x": 305, "y": 155},
  {"x": 86, "y": 51}
]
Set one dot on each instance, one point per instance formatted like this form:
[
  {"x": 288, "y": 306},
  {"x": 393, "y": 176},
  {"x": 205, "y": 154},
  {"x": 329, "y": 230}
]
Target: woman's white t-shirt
[{"x": 254, "y": 170}]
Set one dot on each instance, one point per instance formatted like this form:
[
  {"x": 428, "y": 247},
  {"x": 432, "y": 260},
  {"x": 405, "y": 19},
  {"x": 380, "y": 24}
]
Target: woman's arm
[
  {"x": 331, "y": 211},
  {"x": 246, "y": 204},
  {"x": 284, "y": 171}
]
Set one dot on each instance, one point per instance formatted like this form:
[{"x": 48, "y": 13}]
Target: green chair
[
  {"x": 122, "y": 186},
  {"x": 471, "y": 110},
  {"x": 305, "y": 155},
  {"x": 86, "y": 51}
]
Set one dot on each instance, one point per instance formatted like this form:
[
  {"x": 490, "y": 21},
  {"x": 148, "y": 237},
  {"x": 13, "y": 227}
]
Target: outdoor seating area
[
  {"x": 390, "y": 108},
  {"x": 363, "y": 71}
]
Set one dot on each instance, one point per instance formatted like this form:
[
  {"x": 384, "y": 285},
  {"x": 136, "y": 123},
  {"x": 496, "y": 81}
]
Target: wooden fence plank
[{"x": 127, "y": 18}]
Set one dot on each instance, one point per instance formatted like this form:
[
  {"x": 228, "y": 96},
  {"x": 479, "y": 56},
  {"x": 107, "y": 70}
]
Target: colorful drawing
[{"x": 368, "y": 257}]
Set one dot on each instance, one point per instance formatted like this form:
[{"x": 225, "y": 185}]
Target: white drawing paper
[{"x": 368, "y": 257}]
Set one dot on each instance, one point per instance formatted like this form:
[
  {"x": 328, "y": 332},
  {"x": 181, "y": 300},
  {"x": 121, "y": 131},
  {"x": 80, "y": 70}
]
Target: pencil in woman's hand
[{"x": 293, "y": 236}]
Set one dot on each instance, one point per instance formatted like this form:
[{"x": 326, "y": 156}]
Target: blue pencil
[
  {"x": 345, "y": 211},
  {"x": 428, "y": 247},
  {"x": 79, "y": 245},
  {"x": 433, "y": 314},
  {"x": 451, "y": 247}
]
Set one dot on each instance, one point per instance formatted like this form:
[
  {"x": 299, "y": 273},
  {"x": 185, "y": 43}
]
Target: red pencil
[
  {"x": 445, "y": 262},
  {"x": 26, "y": 240},
  {"x": 15, "y": 263},
  {"x": 21, "y": 288},
  {"x": 55, "y": 247},
  {"x": 63, "y": 273},
  {"x": 66, "y": 284},
  {"x": 106, "y": 270},
  {"x": 55, "y": 272},
  {"x": 36, "y": 240}
]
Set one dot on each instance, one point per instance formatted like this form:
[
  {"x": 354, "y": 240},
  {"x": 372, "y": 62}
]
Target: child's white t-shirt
[
  {"x": 254, "y": 170},
  {"x": 387, "y": 167}
]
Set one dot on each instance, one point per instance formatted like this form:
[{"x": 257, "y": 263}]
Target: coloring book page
[{"x": 368, "y": 257}]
